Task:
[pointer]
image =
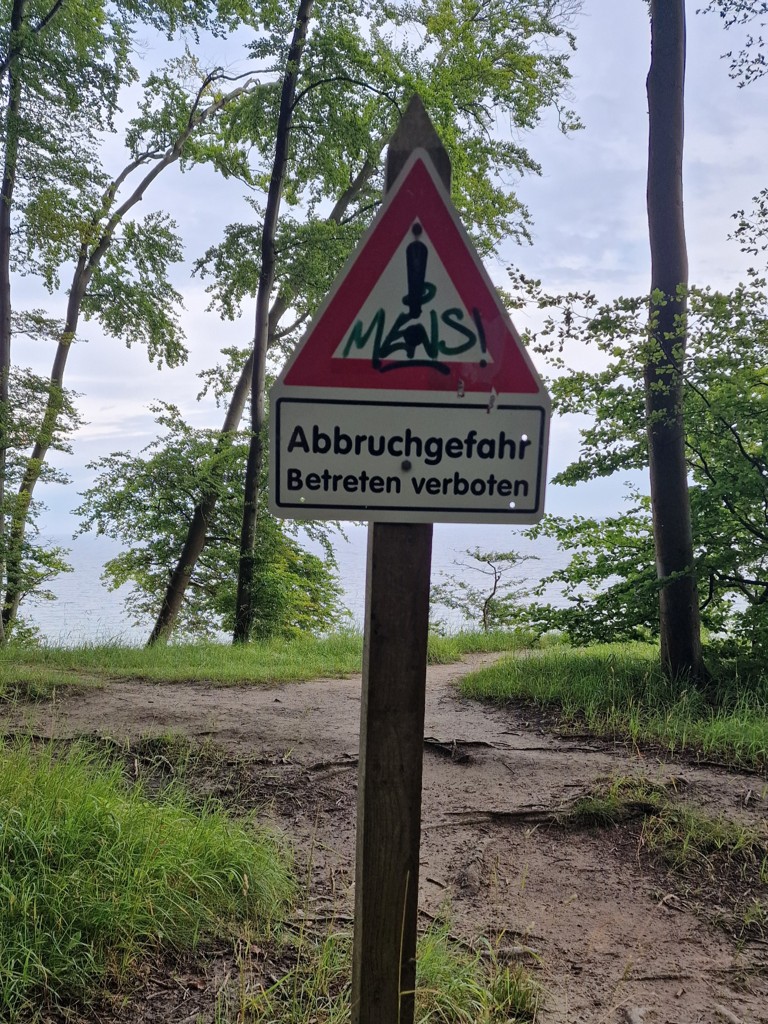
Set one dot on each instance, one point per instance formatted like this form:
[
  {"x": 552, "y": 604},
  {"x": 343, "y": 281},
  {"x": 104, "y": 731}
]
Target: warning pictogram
[{"x": 414, "y": 310}]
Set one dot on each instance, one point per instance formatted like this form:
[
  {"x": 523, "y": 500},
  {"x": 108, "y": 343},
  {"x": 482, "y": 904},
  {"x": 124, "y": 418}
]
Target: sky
[{"x": 589, "y": 231}]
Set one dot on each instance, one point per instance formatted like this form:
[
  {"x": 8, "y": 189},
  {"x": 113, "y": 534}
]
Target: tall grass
[
  {"x": 454, "y": 985},
  {"x": 39, "y": 672},
  {"x": 442, "y": 650},
  {"x": 619, "y": 690},
  {"x": 93, "y": 876},
  {"x": 278, "y": 660}
]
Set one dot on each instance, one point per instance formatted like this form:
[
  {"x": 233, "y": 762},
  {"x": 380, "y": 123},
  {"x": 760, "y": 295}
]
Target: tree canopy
[{"x": 610, "y": 580}]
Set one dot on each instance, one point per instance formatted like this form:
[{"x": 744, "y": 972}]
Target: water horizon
[{"x": 85, "y": 611}]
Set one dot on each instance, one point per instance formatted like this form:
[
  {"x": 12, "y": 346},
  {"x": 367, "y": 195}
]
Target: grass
[
  {"x": 691, "y": 842},
  {"x": 442, "y": 650},
  {"x": 39, "y": 672},
  {"x": 613, "y": 802},
  {"x": 618, "y": 690},
  {"x": 719, "y": 865},
  {"x": 279, "y": 660},
  {"x": 20, "y": 681},
  {"x": 94, "y": 877},
  {"x": 454, "y": 985}
]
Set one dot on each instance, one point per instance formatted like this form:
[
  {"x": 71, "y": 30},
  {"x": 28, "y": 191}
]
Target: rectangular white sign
[{"x": 408, "y": 461}]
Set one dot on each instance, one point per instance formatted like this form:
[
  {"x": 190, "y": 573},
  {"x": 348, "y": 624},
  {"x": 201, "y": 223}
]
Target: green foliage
[
  {"x": 610, "y": 580},
  {"x": 493, "y": 605},
  {"x": 476, "y": 66},
  {"x": 130, "y": 295},
  {"x": 40, "y": 562},
  {"x": 67, "y": 70},
  {"x": 747, "y": 64},
  {"x": 147, "y": 500},
  {"x": 65, "y": 67},
  {"x": 94, "y": 877}
]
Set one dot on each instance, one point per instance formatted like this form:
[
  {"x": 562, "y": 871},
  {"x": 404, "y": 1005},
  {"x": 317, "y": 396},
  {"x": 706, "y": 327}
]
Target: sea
[{"x": 85, "y": 611}]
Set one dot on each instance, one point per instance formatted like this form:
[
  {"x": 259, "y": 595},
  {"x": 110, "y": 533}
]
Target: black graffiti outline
[{"x": 408, "y": 337}]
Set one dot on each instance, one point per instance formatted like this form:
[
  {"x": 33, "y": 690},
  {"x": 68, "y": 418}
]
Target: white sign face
[{"x": 407, "y": 460}]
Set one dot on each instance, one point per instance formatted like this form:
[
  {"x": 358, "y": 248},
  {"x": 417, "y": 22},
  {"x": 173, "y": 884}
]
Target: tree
[
  {"x": 496, "y": 602},
  {"x": 39, "y": 562},
  {"x": 64, "y": 65},
  {"x": 472, "y": 63},
  {"x": 748, "y": 62},
  {"x": 120, "y": 275},
  {"x": 246, "y": 610},
  {"x": 610, "y": 583},
  {"x": 145, "y": 501},
  {"x": 680, "y": 628}
]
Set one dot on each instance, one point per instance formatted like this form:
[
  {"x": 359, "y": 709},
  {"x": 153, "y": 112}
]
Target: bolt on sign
[{"x": 411, "y": 398}]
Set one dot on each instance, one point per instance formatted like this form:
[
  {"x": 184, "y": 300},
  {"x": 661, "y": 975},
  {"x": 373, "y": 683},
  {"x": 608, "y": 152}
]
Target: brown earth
[{"x": 612, "y": 935}]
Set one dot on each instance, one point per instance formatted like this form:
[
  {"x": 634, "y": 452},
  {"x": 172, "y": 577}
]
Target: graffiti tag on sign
[{"x": 407, "y": 340}]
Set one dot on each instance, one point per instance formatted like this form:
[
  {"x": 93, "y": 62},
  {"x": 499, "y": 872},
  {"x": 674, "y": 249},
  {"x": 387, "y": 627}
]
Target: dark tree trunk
[
  {"x": 244, "y": 608},
  {"x": 89, "y": 260},
  {"x": 6, "y": 206},
  {"x": 664, "y": 369},
  {"x": 206, "y": 506}
]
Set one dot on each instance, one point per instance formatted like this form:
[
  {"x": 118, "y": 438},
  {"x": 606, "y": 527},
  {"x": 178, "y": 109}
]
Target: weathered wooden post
[
  {"x": 410, "y": 400},
  {"x": 392, "y": 721}
]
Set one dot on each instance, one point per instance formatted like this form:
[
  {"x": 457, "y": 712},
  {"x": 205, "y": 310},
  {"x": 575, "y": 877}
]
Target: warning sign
[{"x": 411, "y": 396}]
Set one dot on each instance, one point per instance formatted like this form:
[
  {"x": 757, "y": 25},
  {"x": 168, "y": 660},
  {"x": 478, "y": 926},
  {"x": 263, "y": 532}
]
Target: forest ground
[{"x": 611, "y": 932}]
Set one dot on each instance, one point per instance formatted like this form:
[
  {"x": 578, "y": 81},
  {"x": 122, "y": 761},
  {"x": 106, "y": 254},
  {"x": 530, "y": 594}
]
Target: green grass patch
[
  {"x": 615, "y": 801},
  {"x": 688, "y": 840},
  {"x": 619, "y": 690},
  {"x": 22, "y": 681},
  {"x": 277, "y": 660},
  {"x": 38, "y": 672},
  {"x": 442, "y": 650},
  {"x": 454, "y": 985},
  {"x": 94, "y": 877},
  {"x": 717, "y": 864}
]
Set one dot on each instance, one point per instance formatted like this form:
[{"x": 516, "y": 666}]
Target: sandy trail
[{"x": 608, "y": 940}]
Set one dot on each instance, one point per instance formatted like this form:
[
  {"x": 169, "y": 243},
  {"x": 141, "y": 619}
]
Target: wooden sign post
[
  {"x": 410, "y": 400},
  {"x": 392, "y": 722}
]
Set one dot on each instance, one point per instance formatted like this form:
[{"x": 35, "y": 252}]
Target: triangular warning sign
[{"x": 414, "y": 308}]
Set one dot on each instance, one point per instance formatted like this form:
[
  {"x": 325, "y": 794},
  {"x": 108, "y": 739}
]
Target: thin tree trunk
[
  {"x": 678, "y": 598},
  {"x": 244, "y": 609},
  {"x": 6, "y": 207},
  {"x": 194, "y": 542},
  {"x": 87, "y": 264},
  {"x": 203, "y": 512},
  {"x": 35, "y": 462}
]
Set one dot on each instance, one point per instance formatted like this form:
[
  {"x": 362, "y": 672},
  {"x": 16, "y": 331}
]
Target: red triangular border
[{"x": 415, "y": 196}]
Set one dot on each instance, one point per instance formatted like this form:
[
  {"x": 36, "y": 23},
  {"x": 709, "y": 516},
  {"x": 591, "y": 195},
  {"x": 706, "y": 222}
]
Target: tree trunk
[
  {"x": 89, "y": 260},
  {"x": 244, "y": 609},
  {"x": 664, "y": 369},
  {"x": 6, "y": 207},
  {"x": 206, "y": 506},
  {"x": 45, "y": 435}
]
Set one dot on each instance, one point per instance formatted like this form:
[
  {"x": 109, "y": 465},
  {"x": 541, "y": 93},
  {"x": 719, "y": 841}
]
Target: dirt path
[{"x": 601, "y": 927}]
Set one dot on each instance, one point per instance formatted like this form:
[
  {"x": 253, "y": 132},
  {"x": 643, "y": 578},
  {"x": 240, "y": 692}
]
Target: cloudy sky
[{"x": 589, "y": 230}]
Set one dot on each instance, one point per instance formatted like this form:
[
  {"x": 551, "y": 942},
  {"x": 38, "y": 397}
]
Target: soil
[{"x": 612, "y": 934}]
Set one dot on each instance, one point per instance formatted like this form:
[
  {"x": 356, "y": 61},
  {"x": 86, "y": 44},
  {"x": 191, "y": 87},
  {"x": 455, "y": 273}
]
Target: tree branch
[{"x": 14, "y": 51}]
